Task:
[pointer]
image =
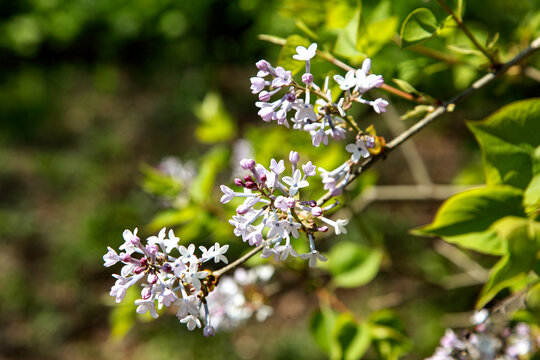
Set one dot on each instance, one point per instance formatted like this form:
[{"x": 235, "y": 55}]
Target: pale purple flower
[
  {"x": 267, "y": 252},
  {"x": 283, "y": 77},
  {"x": 309, "y": 169},
  {"x": 111, "y": 257},
  {"x": 304, "y": 112},
  {"x": 178, "y": 267},
  {"x": 313, "y": 256},
  {"x": 188, "y": 253},
  {"x": 187, "y": 306},
  {"x": 228, "y": 194},
  {"x": 193, "y": 275},
  {"x": 144, "y": 306},
  {"x": 358, "y": 150},
  {"x": 285, "y": 251},
  {"x": 257, "y": 84},
  {"x": 279, "y": 228},
  {"x": 296, "y": 182},
  {"x": 277, "y": 167},
  {"x": 379, "y": 105},
  {"x": 347, "y": 82},
  {"x": 280, "y": 203},
  {"x": 191, "y": 322},
  {"x": 167, "y": 297},
  {"x": 172, "y": 242}
]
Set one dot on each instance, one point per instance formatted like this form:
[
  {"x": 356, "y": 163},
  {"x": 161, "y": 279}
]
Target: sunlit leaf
[
  {"x": 418, "y": 27},
  {"x": 352, "y": 264},
  {"x": 286, "y": 60},
  {"x": 216, "y": 123}
]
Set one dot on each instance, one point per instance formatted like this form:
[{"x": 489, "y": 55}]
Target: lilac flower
[
  {"x": 218, "y": 253},
  {"x": 171, "y": 243},
  {"x": 285, "y": 251},
  {"x": 193, "y": 276},
  {"x": 277, "y": 167},
  {"x": 228, "y": 194},
  {"x": 257, "y": 84},
  {"x": 358, "y": 150},
  {"x": 347, "y": 82},
  {"x": 305, "y": 54},
  {"x": 379, "y": 105},
  {"x": 144, "y": 306},
  {"x": 191, "y": 321},
  {"x": 313, "y": 256},
  {"x": 111, "y": 257},
  {"x": 187, "y": 306},
  {"x": 283, "y": 77},
  {"x": 296, "y": 182}
]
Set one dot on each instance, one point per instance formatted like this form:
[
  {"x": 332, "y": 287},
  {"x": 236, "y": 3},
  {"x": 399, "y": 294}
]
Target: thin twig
[
  {"x": 447, "y": 106},
  {"x": 467, "y": 32}
]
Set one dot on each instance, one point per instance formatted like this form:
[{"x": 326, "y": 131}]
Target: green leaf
[
  {"x": 216, "y": 123},
  {"x": 405, "y": 86},
  {"x": 375, "y": 35},
  {"x": 388, "y": 335},
  {"x": 321, "y": 326},
  {"x": 285, "y": 59},
  {"x": 508, "y": 139},
  {"x": 352, "y": 264},
  {"x": 523, "y": 238},
  {"x": 122, "y": 317},
  {"x": 172, "y": 217},
  {"x": 532, "y": 193},
  {"x": 465, "y": 218},
  {"x": 353, "y": 339},
  {"x": 157, "y": 183},
  {"x": 418, "y": 27},
  {"x": 347, "y": 39}
]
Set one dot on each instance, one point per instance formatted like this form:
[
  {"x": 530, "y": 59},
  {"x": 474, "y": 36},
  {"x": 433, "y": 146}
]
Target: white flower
[
  {"x": 279, "y": 228},
  {"x": 358, "y": 150},
  {"x": 171, "y": 242},
  {"x": 111, "y": 257},
  {"x": 347, "y": 82},
  {"x": 167, "y": 297},
  {"x": 129, "y": 238},
  {"x": 296, "y": 182},
  {"x": 193, "y": 275},
  {"x": 187, "y": 306},
  {"x": 305, "y": 54},
  {"x": 277, "y": 167},
  {"x": 218, "y": 253},
  {"x": 146, "y": 306},
  {"x": 191, "y": 322},
  {"x": 313, "y": 256},
  {"x": 379, "y": 105},
  {"x": 267, "y": 252},
  {"x": 187, "y": 254},
  {"x": 283, "y": 78},
  {"x": 157, "y": 239},
  {"x": 286, "y": 250},
  {"x": 339, "y": 225},
  {"x": 228, "y": 194}
]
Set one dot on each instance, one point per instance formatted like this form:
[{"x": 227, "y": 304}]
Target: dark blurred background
[{"x": 92, "y": 89}]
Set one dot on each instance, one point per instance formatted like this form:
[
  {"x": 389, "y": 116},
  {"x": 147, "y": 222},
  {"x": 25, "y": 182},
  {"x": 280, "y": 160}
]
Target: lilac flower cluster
[
  {"x": 488, "y": 342},
  {"x": 325, "y": 117},
  {"x": 239, "y": 297},
  {"x": 167, "y": 280},
  {"x": 272, "y": 211}
]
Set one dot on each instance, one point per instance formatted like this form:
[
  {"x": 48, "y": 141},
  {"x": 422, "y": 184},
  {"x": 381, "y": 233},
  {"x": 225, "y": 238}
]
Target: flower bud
[
  {"x": 323, "y": 228},
  {"x": 264, "y": 96},
  {"x": 166, "y": 268},
  {"x": 152, "y": 279},
  {"x": 139, "y": 269},
  {"x": 248, "y": 178},
  {"x": 135, "y": 240},
  {"x": 307, "y": 79},
  {"x": 247, "y": 164},
  {"x": 312, "y": 203},
  {"x": 294, "y": 157},
  {"x": 209, "y": 331},
  {"x": 238, "y": 182},
  {"x": 251, "y": 185},
  {"x": 143, "y": 262},
  {"x": 290, "y": 97},
  {"x": 146, "y": 293},
  {"x": 263, "y": 177},
  {"x": 262, "y": 65},
  {"x": 242, "y": 209},
  {"x": 316, "y": 211}
]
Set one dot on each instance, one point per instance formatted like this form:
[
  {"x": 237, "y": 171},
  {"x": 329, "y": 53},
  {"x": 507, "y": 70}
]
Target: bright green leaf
[
  {"x": 523, "y": 238},
  {"x": 352, "y": 264},
  {"x": 405, "y": 86},
  {"x": 347, "y": 39},
  {"x": 353, "y": 339},
  {"x": 418, "y": 27},
  {"x": 532, "y": 193},
  {"x": 321, "y": 326},
  {"x": 158, "y": 183},
  {"x": 211, "y": 163},
  {"x": 216, "y": 123},
  {"x": 375, "y": 35},
  {"x": 172, "y": 217},
  {"x": 465, "y": 218},
  {"x": 387, "y": 333},
  {"x": 508, "y": 139}
]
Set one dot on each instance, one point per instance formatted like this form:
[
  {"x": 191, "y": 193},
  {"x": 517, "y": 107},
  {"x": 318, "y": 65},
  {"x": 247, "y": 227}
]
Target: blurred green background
[{"x": 92, "y": 89}]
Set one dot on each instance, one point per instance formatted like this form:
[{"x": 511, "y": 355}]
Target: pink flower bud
[
  {"x": 262, "y": 65},
  {"x": 263, "y": 177},
  {"x": 146, "y": 293},
  {"x": 135, "y": 240},
  {"x": 248, "y": 178},
  {"x": 316, "y": 211},
  {"x": 238, "y": 182},
  {"x": 139, "y": 269},
  {"x": 152, "y": 279},
  {"x": 126, "y": 258},
  {"x": 166, "y": 268},
  {"x": 143, "y": 262},
  {"x": 247, "y": 164},
  {"x": 264, "y": 96},
  {"x": 242, "y": 209},
  {"x": 307, "y": 79},
  {"x": 312, "y": 203},
  {"x": 290, "y": 97},
  {"x": 251, "y": 185},
  {"x": 323, "y": 228}
]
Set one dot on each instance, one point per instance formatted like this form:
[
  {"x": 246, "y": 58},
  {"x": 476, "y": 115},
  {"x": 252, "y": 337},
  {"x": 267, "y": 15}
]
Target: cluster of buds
[
  {"x": 168, "y": 281},
  {"x": 487, "y": 341},
  {"x": 325, "y": 117},
  {"x": 272, "y": 211}
]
